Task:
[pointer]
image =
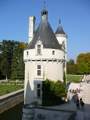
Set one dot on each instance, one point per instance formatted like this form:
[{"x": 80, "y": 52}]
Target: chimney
[{"x": 31, "y": 28}]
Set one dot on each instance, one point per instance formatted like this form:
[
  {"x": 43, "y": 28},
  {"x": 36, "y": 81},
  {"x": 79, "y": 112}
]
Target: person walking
[
  {"x": 77, "y": 103},
  {"x": 81, "y": 103}
]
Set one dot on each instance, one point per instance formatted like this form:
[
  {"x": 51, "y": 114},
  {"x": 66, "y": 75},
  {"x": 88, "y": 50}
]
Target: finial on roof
[
  {"x": 59, "y": 21},
  {"x": 44, "y": 12},
  {"x": 44, "y": 4},
  {"x": 60, "y": 28}
]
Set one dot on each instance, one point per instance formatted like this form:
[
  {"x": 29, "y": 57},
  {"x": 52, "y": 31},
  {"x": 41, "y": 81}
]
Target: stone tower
[{"x": 44, "y": 57}]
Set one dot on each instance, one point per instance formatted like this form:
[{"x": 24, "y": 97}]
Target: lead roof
[{"x": 60, "y": 30}]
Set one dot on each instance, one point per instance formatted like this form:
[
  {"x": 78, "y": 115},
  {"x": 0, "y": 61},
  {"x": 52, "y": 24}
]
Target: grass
[
  {"x": 74, "y": 78},
  {"x": 6, "y": 88}
]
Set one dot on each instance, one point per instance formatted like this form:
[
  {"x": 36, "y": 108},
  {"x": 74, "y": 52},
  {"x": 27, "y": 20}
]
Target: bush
[{"x": 53, "y": 92}]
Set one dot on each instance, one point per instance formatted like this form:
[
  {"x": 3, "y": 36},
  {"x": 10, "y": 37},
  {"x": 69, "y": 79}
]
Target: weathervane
[{"x": 59, "y": 21}]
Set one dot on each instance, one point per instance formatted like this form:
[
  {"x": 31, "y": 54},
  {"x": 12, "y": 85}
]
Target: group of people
[
  {"x": 74, "y": 91},
  {"x": 75, "y": 95}
]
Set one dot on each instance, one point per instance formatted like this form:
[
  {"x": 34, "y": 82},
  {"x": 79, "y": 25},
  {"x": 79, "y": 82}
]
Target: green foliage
[
  {"x": 53, "y": 92},
  {"x": 11, "y": 60},
  {"x": 74, "y": 78},
  {"x": 17, "y": 66},
  {"x": 6, "y": 58},
  {"x": 82, "y": 65},
  {"x": 71, "y": 67}
]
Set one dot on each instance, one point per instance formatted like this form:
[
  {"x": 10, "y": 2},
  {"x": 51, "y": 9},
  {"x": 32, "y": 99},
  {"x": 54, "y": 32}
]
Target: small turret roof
[{"x": 60, "y": 29}]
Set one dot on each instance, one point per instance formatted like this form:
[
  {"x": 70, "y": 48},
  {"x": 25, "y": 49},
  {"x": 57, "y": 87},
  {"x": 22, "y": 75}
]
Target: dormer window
[
  {"x": 38, "y": 49},
  {"x": 53, "y": 52}
]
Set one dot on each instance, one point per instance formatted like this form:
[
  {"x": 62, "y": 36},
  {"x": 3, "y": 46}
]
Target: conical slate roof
[
  {"x": 60, "y": 30},
  {"x": 45, "y": 33}
]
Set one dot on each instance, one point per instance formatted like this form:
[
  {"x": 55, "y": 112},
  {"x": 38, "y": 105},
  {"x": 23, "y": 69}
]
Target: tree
[
  {"x": 83, "y": 63},
  {"x": 6, "y": 57},
  {"x": 71, "y": 67},
  {"x": 11, "y": 59},
  {"x": 17, "y": 62}
]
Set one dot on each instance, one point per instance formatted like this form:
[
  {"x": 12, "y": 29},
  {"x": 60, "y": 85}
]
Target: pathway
[
  {"x": 85, "y": 114},
  {"x": 85, "y": 93}
]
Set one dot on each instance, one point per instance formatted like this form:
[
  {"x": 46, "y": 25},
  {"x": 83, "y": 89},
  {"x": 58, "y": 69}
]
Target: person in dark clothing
[
  {"x": 81, "y": 103},
  {"x": 77, "y": 103},
  {"x": 74, "y": 98}
]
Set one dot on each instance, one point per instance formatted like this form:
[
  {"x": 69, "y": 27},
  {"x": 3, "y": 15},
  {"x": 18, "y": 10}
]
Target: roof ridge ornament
[
  {"x": 59, "y": 21},
  {"x": 44, "y": 4},
  {"x": 44, "y": 12}
]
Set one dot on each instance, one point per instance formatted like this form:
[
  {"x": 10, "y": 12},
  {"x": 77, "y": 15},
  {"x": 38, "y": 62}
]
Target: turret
[
  {"x": 60, "y": 34},
  {"x": 62, "y": 39}
]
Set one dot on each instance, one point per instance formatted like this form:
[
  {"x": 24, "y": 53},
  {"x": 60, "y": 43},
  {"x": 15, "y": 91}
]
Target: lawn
[
  {"x": 7, "y": 88},
  {"x": 74, "y": 78}
]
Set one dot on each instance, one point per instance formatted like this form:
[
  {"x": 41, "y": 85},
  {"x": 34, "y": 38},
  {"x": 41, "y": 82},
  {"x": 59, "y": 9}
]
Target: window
[
  {"x": 38, "y": 85},
  {"x": 27, "y": 53},
  {"x": 39, "y": 67},
  {"x": 39, "y": 49},
  {"x": 53, "y": 52},
  {"x": 39, "y": 70},
  {"x": 38, "y": 90}
]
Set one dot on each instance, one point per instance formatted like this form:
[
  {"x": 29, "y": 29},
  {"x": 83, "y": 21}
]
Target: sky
[{"x": 74, "y": 15}]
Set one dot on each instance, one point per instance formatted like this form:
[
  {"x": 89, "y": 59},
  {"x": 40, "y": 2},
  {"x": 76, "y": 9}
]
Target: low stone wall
[
  {"x": 44, "y": 113},
  {"x": 10, "y": 100}
]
